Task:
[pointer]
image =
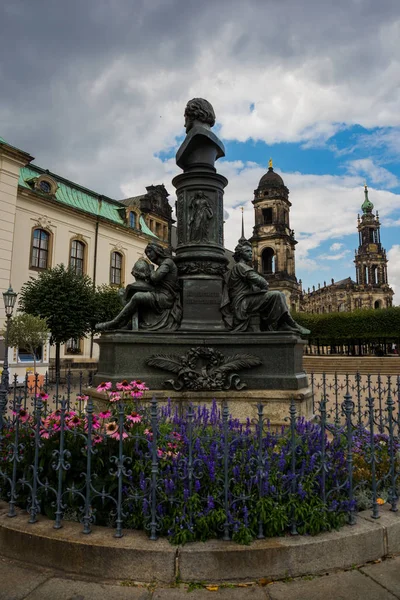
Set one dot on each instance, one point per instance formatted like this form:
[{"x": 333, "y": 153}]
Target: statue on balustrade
[
  {"x": 152, "y": 302},
  {"x": 246, "y": 298}
]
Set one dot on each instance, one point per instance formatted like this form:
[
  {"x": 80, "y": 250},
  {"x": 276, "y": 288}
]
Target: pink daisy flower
[
  {"x": 134, "y": 417},
  {"x": 104, "y": 386},
  {"x": 115, "y": 397},
  {"x": 111, "y": 428},
  {"x": 105, "y": 415},
  {"x": 123, "y": 386},
  {"x": 117, "y": 436},
  {"x": 43, "y": 396},
  {"x": 97, "y": 439},
  {"x": 22, "y": 414}
]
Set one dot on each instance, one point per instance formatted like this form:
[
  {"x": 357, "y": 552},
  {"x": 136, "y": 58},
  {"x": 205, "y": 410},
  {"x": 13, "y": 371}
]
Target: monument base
[
  {"x": 211, "y": 362},
  {"x": 242, "y": 404}
]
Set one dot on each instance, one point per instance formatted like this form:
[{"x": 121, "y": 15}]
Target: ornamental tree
[
  {"x": 28, "y": 331},
  {"x": 66, "y": 300},
  {"x": 108, "y": 304}
]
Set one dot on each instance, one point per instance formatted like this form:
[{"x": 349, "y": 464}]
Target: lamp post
[{"x": 9, "y": 298}]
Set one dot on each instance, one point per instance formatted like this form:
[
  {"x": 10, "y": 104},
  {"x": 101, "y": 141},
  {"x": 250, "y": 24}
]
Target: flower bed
[{"x": 188, "y": 477}]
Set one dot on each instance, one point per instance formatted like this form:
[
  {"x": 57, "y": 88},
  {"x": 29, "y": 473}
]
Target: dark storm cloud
[{"x": 93, "y": 88}]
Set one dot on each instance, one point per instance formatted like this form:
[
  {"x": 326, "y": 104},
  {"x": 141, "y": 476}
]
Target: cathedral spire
[
  {"x": 242, "y": 238},
  {"x": 367, "y": 205}
]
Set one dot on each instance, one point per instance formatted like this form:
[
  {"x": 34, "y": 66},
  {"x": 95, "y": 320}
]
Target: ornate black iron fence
[{"x": 143, "y": 465}]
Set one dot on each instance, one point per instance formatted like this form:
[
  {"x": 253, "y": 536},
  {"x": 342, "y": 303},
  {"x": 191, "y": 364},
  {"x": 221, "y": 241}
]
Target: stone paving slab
[
  {"x": 16, "y": 582},
  {"x": 68, "y": 589},
  {"x": 350, "y": 585},
  {"x": 386, "y": 573},
  {"x": 245, "y": 593}
]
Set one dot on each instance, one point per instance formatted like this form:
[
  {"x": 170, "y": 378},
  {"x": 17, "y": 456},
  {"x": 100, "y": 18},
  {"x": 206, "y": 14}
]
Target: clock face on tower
[{"x": 45, "y": 186}]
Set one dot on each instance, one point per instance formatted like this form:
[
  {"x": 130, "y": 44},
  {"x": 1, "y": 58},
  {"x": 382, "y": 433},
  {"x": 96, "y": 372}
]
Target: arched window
[
  {"x": 268, "y": 261},
  {"x": 374, "y": 274},
  {"x": 342, "y": 307},
  {"x": 132, "y": 219},
  {"x": 116, "y": 268},
  {"x": 77, "y": 257},
  {"x": 40, "y": 249},
  {"x": 377, "y": 304}
]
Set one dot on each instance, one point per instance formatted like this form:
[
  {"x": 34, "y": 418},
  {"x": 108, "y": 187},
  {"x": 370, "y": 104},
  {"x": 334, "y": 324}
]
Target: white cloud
[
  {"x": 336, "y": 247},
  {"x": 334, "y": 256},
  {"x": 394, "y": 271},
  {"x": 373, "y": 172}
]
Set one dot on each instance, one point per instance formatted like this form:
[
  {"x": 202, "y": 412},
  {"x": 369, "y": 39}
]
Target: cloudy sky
[{"x": 95, "y": 90}]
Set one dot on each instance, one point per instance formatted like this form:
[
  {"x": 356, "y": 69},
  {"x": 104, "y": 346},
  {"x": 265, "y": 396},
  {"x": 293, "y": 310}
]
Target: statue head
[
  {"x": 200, "y": 110},
  {"x": 243, "y": 251},
  {"x": 141, "y": 270},
  {"x": 154, "y": 251}
]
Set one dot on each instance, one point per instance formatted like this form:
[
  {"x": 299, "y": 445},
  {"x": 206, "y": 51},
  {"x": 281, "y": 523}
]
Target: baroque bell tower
[
  {"x": 370, "y": 258},
  {"x": 273, "y": 241}
]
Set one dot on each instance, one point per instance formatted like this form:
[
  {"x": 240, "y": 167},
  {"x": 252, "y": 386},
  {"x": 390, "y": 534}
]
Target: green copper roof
[
  {"x": 80, "y": 198},
  {"x": 2, "y": 140},
  {"x": 367, "y": 205}
]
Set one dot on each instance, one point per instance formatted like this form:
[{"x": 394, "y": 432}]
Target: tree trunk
[{"x": 58, "y": 361}]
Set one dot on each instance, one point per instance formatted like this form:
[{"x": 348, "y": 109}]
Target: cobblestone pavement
[{"x": 377, "y": 581}]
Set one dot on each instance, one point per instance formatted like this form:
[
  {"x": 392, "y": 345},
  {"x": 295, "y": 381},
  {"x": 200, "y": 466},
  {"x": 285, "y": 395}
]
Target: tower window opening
[
  {"x": 377, "y": 304},
  {"x": 366, "y": 275},
  {"x": 374, "y": 274},
  {"x": 268, "y": 261},
  {"x": 267, "y": 216},
  {"x": 371, "y": 236}
]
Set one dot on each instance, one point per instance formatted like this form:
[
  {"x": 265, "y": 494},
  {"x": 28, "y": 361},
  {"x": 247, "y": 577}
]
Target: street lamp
[{"x": 9, "y": 298}]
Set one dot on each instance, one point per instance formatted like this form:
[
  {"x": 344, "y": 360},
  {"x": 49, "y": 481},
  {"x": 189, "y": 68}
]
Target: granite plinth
[
  {"x": 242, "y": 404},
  {"x": 125, "y": 355}
]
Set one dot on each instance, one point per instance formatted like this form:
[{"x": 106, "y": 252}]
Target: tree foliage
[
  {"x": 28, "y": 331},
  {"x": 64, "y": 299},
  {"x": 107, "y": 304},
  {"x": 357, "y": 325}
]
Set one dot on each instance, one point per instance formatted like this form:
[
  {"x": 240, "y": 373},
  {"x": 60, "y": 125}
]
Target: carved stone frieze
[
  {"x": 203, "y": 368},
  {"x": 205, "y": 267}
]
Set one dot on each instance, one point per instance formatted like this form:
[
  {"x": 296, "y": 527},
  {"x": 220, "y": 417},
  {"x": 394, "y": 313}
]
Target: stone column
[{"x": 200, "y": 253}]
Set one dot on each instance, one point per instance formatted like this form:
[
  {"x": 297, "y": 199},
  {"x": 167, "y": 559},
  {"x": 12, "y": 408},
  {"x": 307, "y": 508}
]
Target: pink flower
[
  {"x": 43, "y": 396},
  {"x": 73, "y": 421},
  {"x": 82, "y": 398},
  {"x": 123, "y": 386},
  {"x": 134, "y": 417},
  {"x": 160, "y": 453},
  {"x": 105, "y": 415},
  {"x": 22, "y": 414},
  {"x": 117, "y": 436},
  {"x": 140, "y": 385},
  {"x": 136, "y": 393},
  {"x": 97, "y": 439},
  {"x": 104, "y": 386},
  {"x": 148, "y": 433},
  {"x": 115, "y": 397},
  {"x": 111, "y": 428}
]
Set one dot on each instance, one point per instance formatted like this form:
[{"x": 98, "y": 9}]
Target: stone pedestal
[
  {"x": 275, "y": 360},
  {"x": 242, "y": 404}
]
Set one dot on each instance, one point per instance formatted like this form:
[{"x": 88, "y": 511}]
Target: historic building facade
[
  {"x": 371, "y": 288},
  {"x": 273, "y": 241},
  {"x": 48, "y": 220}
]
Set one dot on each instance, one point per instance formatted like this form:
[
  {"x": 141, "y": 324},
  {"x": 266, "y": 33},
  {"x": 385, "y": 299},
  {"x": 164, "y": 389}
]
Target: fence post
[
  {"x": 260, "y": 466},
  {"x": 120, "y": 469},
  {"x": 34, "y": 509},
  {"x": 61, "y": 466},
  {"x": 225, "y": 414},
  {"x": 372, "y": 460},
  {"x": 393, "y": 498},
  {"x": 154, "y": 467},
  {"x": 14, "y": 460},
  {"x": 292, "y": 413},
  {"x": 88, "y": 508},
  {"x": 348, "y": 408},
  {"x": 190, "y": 416}
]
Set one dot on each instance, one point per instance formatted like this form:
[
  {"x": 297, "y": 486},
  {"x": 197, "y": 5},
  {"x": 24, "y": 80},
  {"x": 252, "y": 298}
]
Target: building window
[
  {"x": 73, "y": 346},
  {"x": 25, "y": 355},
  {"x": 132, "y": 220},
  {"x": 77, "y": 255},
  {"x": 267, "y": 216},
  {"x": 116, "y": 269},
  {"x": 268, "y": 261},
  {"x": 377, "y": 304},
  {"x": 40, "y": 249}
]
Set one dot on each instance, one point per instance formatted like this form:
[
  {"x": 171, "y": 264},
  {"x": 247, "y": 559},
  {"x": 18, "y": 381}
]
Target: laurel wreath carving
[{"x": 205, "y": 369}]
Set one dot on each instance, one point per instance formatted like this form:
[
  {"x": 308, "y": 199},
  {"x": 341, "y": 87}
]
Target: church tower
[
  {"x": 273, "y": 241},
  {"x": 370, "y": 259}
]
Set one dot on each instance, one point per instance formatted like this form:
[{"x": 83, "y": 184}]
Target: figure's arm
[
  {"x": 255, "y": 279},
  {"x": 160, "y": 273}
]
